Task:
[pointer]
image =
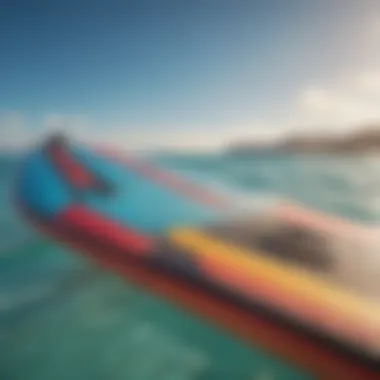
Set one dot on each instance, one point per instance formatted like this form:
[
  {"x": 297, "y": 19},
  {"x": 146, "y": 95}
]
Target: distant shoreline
[{"x": 359, "y": 142}]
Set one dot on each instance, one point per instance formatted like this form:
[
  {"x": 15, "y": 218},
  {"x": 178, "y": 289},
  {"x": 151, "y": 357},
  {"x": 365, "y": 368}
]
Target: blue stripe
[
  {"x": 40, "y": 188},
  {"x": 140, "y": 202}
]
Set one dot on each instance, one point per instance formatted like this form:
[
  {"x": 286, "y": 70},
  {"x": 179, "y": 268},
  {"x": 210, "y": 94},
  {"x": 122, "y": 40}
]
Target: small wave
[
  {"x": 14, "y": 247},
  {"x": 55, "y": 287},
  {"x": 16, "y": 300},
  {"x": 146, "y": 336}
]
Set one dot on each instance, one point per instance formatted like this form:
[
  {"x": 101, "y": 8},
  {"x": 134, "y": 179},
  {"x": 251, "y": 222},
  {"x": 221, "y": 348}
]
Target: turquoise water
[{"x": 61, "y": 317}]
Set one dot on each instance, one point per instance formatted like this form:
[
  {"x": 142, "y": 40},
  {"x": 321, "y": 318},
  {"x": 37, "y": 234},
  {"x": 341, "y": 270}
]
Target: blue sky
[{"x": 157, "y": 68}]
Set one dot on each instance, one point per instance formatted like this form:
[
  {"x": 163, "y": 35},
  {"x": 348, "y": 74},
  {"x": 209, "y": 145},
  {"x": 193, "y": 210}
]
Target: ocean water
[{"x": 62, "y": 317}]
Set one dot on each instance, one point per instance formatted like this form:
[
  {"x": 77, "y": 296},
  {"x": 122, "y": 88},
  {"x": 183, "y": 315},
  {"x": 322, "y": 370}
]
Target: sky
[{"x": 186, "y": 74}]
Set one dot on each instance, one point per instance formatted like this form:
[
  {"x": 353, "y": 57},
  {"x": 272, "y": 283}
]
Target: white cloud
[
  {"x": 351, "y": 102},
  {"x": 143, "y": 138},
  {"x": 345, "y": 104},
  {"x": 353, "y": 98},
  {"x": 16, "y": 133},
  {"x": 12, "y": 130},
  {"x": 54, "y": 122}
]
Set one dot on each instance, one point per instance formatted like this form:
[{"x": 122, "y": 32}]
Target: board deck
[{"x": 136, "y": 219}]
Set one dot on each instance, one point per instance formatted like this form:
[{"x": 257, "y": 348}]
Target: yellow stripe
[{"x": 287, "y": 277}]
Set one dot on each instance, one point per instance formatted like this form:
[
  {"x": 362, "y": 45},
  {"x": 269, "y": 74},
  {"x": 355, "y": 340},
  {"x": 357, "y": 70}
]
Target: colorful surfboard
[{"x": 203, "y": 249}]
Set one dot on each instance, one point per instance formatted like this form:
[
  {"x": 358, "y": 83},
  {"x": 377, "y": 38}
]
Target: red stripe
[
  {"x": 108, "y": 232},
  {"x": 74, "y": 172},
  {"x": 168, "y": 179}
]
